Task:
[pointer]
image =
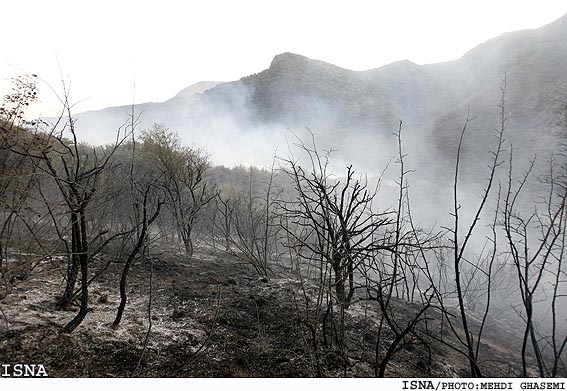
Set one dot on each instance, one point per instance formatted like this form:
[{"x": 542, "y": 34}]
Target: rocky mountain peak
[{"x": 289, "y": 60}]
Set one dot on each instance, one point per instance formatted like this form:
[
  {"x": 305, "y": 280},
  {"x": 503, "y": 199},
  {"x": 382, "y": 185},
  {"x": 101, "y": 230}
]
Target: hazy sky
[{"x": 105, "y": 46}]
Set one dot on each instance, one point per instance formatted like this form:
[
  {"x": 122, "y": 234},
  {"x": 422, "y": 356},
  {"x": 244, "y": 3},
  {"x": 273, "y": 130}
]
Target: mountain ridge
[{"x": 362, "y": 107}]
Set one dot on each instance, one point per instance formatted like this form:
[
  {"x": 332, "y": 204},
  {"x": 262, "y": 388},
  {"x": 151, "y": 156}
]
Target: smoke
[{"x": 356, "y": 115}]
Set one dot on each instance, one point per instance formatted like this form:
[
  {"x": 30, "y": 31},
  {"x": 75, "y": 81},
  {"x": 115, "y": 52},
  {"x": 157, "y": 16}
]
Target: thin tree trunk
[
  {"x": 340, "y": 287},
  {"x": 123, "y": 284},
  {"x": 139, "y": 245},
  {"x": 188, "y": 242},
  {"x": 72, "y": 325},
  {"x": 73, "y": 267},
  {"x": 475, "y": 370},
  {"x": 1, "y": 257},
  {"x": 82, "y": 247}
]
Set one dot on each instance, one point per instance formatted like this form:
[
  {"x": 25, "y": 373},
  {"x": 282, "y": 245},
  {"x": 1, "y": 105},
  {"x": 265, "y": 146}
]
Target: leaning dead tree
[
  {"x": 143, "y": 203},
  {"x": 145, "y": 217}
]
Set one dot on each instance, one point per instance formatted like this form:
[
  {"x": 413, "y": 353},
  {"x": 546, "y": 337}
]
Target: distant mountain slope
[
  {"x": 359, "y": 111},
  {"x": 99, "y": 126}
]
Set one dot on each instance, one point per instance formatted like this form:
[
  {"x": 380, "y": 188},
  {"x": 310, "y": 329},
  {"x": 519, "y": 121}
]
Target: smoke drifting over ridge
[{"x": 357, "y": 113}]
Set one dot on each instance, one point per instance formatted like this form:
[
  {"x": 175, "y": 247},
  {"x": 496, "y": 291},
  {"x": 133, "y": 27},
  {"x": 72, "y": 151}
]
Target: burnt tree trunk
[
  {"x": 83, "y": 248},
  {"x": 342, "y": 273},
  {"x": 139, "y": 244},
  {"x": 339, "y": 283},
  {"x": 187, "y": 240},
  {"x": 73, "y": 263}
]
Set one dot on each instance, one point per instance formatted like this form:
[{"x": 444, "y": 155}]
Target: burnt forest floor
[{"x": 210, "y": 317}]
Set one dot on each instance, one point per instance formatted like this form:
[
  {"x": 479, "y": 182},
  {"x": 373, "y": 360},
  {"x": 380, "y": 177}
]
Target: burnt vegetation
[{"x": 141, "y": 258}]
